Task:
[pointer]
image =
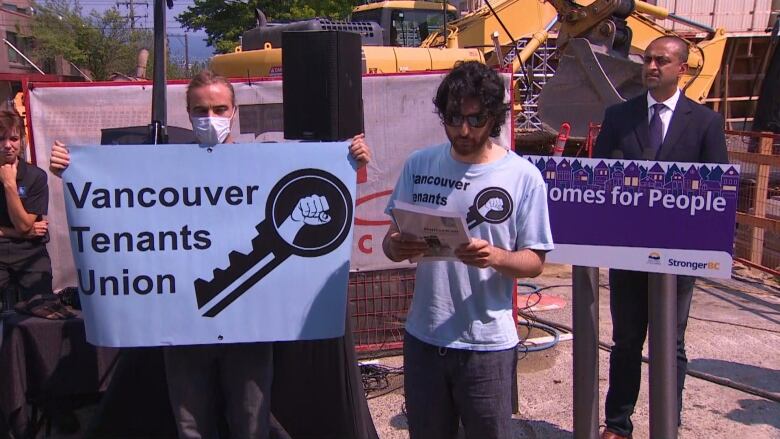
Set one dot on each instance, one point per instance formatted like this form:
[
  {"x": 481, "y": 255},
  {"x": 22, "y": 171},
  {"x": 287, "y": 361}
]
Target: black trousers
[
  {"x": 444, "y": 386},
  {"x": 26, "y": 265},
  {"x": 628, "y": 304}
]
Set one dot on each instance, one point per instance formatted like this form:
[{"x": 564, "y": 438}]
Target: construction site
[{"x": 564, "y": 63}]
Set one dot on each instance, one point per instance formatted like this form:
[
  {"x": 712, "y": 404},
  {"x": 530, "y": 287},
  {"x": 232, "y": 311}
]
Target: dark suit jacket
[{"x": 695, "y": 133}]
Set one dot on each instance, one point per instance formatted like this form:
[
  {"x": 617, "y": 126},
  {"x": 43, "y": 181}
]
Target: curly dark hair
[{"x": 472, "y": 79}]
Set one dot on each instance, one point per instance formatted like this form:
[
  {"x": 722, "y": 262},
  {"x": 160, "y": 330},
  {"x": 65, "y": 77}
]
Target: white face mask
[{"x": 212, "y": 130}]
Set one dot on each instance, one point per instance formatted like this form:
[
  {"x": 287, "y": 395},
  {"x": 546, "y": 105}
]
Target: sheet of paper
[{"x": 443, "y": 231}]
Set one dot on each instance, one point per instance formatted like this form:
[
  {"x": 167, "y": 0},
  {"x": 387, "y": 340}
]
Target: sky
[{"x": 197, "y": 45}]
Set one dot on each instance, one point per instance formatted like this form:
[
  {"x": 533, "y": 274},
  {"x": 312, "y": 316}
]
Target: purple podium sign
[{"x": 664, "y": 217}]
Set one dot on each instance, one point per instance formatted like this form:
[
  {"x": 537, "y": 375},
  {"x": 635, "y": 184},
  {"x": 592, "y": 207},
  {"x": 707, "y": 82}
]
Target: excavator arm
[{"x": 599, "y": 44}]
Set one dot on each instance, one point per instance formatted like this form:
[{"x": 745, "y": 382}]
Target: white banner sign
[
  {"x": 187, "y": 245},
  {"x": 399, "y": 118}
]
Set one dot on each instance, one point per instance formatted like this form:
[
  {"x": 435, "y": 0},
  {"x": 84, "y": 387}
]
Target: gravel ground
[{"x": 733, "y": 333}]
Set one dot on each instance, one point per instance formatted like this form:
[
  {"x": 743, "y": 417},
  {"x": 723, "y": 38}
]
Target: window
[
  {"x": 695, "y": 184},
  {"x": 408, "y": 27},
  {"x": 373, "y": 15},
  {"x": 21, "y": 43},
  {"x": 12, "y": 38}
]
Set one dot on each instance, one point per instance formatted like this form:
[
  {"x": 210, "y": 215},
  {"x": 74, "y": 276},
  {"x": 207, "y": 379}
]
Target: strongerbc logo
[
  {"x": 654, "y": 258},
  {"x": 694, "y": 265}
]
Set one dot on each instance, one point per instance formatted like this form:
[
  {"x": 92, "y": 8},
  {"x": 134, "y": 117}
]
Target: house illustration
[
  {"x": 550, "y": 172},
  {"x": 580, "y": 178},
  {"x": 631, "y": 177},
  {"x": 635, "y": 177},
  {"x": 692, "y": 180},
  {"x": 656, "y": 175},
  {"x": 729, "y": 183},
  {"x": 563, "y": 175},
  {"x": 600, "y": 174}
]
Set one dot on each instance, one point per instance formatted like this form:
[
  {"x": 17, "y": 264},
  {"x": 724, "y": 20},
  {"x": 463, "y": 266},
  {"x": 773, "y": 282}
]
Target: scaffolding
[{"x": 530, "y": 80}]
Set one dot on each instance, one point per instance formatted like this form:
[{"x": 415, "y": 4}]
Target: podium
[
  {"x": 662, "y": 218},
  {"x": 662, "y": 332}
]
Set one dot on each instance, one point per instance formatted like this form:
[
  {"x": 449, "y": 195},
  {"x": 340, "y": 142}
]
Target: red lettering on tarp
[
  {"x": 365, "y": 199},
  {"x": 365, "y": 244}
]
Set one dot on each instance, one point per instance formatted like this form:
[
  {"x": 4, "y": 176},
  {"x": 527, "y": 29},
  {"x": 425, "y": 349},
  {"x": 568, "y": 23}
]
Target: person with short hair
[
  {"x": 24, "y": 260},
  {"x": 460, "y": 343},
  {"x": 662, "y": 125}
]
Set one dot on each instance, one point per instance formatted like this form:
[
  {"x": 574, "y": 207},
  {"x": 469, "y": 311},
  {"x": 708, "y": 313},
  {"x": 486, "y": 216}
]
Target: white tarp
[{"x": 398, "y": 112}]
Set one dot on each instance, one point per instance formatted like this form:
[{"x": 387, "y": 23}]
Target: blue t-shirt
[{"x": 505, "y": 203}]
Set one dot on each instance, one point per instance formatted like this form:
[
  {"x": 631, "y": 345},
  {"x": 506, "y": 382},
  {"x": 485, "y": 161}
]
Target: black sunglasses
[{"x": 474, "y": 121}]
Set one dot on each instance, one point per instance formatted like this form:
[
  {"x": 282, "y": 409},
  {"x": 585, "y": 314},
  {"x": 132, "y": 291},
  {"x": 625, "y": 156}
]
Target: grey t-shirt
[{"x": 505, "y": 203}]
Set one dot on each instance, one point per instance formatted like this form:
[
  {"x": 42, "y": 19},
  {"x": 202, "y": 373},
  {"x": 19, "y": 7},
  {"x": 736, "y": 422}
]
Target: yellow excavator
[
  {"x": 598, "y": 47},
  {"x": 601, "y": 58},
  {"x": 391, "y": 33}
]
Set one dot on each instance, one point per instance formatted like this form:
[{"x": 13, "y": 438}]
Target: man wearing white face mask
[
  {"x": 211, "y": 130},
  {"x": 240, "y": 373},
  {"x": 211, "y": 106}
]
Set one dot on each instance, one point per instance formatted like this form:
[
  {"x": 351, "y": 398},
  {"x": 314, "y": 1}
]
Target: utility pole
[
  {"x": 185, "y": 36},
  {"x": 130, "y": 5},
  {"x": 186, "y": 54}
]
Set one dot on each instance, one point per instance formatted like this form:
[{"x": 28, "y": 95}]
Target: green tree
[
  {"x": 225, "y": 21},
  {"x": 102, "y": 43}
]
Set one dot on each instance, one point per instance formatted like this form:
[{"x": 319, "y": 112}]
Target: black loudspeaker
[
  {"x": 322, "y": 88},
  {"x": 140, "y": 135}
]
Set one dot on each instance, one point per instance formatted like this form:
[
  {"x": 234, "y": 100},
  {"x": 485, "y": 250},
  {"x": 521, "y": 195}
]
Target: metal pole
[
  {"x": 132, "y": 15},
  {"x": 691, "y": 23},
  {"x": 585, "y": 317},
  {"x": 157, "y": 129},
  {"x": 663, "y": 13},
  {"x": 445, "y": 4},
  {"x": 186, "y": 54},
  {"x": 84, "y": 75},
  {"x": 662, "y": 321}
]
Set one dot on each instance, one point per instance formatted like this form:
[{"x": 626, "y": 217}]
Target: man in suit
[{"x": 661, "y": 125}]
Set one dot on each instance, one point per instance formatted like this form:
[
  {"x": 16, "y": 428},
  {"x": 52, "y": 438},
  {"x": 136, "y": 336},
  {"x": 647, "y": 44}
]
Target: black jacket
[{"x": 695, "y": 133}]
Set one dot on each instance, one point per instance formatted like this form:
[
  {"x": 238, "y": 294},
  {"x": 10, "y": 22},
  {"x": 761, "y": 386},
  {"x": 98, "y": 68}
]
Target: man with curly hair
[{"x": 460, "y": 342}]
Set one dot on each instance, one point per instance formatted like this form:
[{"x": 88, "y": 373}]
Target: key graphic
[
  {"x": 308, "y": 213},
  {"x": 492, "y": 205}
]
